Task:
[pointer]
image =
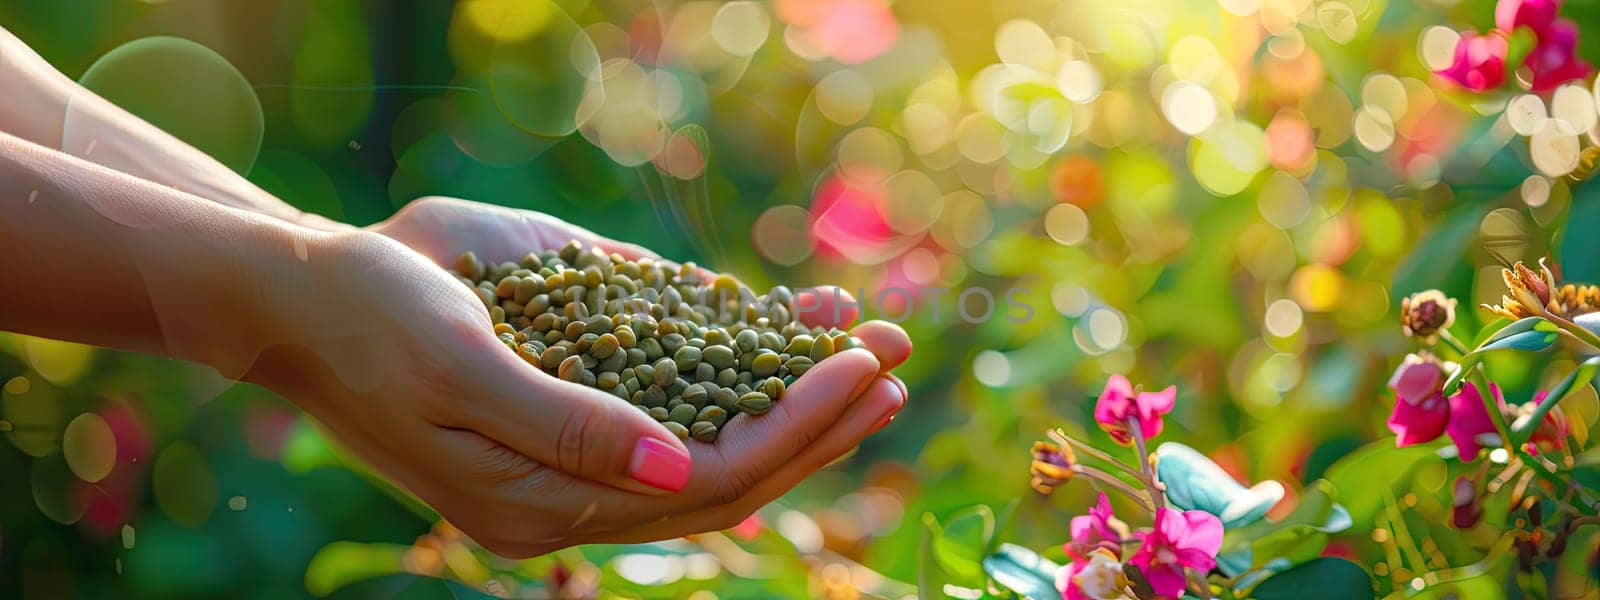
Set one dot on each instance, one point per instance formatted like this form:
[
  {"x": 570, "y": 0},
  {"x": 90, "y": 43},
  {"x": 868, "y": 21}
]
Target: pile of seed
[{"x": 689, "y": 352}]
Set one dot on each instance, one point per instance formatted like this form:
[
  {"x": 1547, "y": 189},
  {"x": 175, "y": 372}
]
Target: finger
[
  {"x": 886, "y": 340},
  {"x": 826, "y": 306},
  {"x": 879, "y": 402},
  {"x": 512, "y": 505},
  {"x": 751, "y": 448},
  {"x": 576, "y": 429}
]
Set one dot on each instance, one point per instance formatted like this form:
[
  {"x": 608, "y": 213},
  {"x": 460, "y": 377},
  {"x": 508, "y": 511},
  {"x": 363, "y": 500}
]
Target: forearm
[
  {"x": 34, "y": 107},
  {"x": 96, "y": 256}
]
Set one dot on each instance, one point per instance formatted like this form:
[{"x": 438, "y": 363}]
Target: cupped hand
[{"x": 396, "y": 357}]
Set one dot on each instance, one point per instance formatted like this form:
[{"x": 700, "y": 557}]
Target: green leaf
[
  {"x": 1359, "y": 477},
  {"x": 1494, "y": 328},
  {"x": 1003, "y": 521},
  {"x": 1288, "y": 547},
  {"x": 931, "y": 577},
  {"x": 1294, "y": 539},
  {"x": 960, "y": 543},
  {"x": 1524, "y": 427},
  {"x": 1519, "y": 44},
  {"x": 342, "y": 563},
  {"x": 1023, "y": 571},
  {"x": 1324, "y": 578}
]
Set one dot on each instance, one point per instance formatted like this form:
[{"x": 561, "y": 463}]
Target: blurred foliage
[{"x": 1230, "y": 196}]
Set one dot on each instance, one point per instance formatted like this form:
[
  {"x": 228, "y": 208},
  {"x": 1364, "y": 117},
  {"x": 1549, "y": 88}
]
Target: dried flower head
[
  {"x": 1052, "y": 466},
  {"x": 1425, "y": 313},
  {"x": 1532, "y": 292}
]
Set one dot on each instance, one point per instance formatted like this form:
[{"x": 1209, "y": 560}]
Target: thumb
[{"x": 578, "y": 430}]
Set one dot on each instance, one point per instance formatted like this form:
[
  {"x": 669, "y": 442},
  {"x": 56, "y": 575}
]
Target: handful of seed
[{"x": 689, "y": 352}]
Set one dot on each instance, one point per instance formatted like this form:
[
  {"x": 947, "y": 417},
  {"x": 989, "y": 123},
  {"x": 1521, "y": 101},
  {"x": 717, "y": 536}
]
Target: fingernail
[{"x": 659, "y": 465}]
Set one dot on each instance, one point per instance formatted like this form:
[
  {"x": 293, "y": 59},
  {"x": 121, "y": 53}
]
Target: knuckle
[
  {"x": 732, "y": 487},
  {"x": 574, "y": 453}
]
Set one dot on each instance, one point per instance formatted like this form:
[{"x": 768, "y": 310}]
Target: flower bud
[
  {"x": 1424, "y": 313},
  {"x": 1052, "y": 466}
]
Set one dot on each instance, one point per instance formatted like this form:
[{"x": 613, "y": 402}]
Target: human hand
[{"x": 396, "y": 358}]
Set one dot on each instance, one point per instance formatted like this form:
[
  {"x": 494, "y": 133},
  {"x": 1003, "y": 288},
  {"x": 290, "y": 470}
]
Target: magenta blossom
[
  {"x": 1098, "y": 529},
  {"x": 1421, "y": 412},
  {"x": 1179, "y": 540},
  {"x": 1554, "y": 59},
  {"x": 1096, "y": 544},
  {"x": 1479, "y": 63},
  {"x": 1119, "y": 403},
  {"x": 1533, "y": 14},
  {"x": 1471, "y": 427}
]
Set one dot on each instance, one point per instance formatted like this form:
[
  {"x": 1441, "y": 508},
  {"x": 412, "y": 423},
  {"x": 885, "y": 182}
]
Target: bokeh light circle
[
  {"x": 741, "y": 28},
  {"x": 1437, "y": 47},
  {"x": 1574, "y": 104},
  {"x": 1535, "y": 191},
  {"x": 1554, "y": 148},
  {"x": 1189, "y": 106},
  {"x": 1374, "y": 128},
  {"x": 184, "y": 486},
  {"x": 869, "y": 154},
  {"x": 844, "y": 96},
  {"x": 1066, "y": 224},
  {"x": 782, "y": 234},
  {"x": 539, "y": 77},
  {"x": 912, "y": 201},
  {"x": 1525, "y": 114},
  {"x": 89, "y": 447},
  {"x": 186, "y": 89}
]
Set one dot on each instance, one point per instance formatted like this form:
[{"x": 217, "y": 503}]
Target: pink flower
[
  {"x": 1479, "y": 63},
  {"x": 1533, "y": 14},
  {"x": 1099, "y": 577},
  {"x": 1095, "y": 545},
  {"x": 1179, "y": 540},
  {"x": 1119, "y": 403},
  {"x": 1420, "y": 409},
  {"x": 1098, "y": 529},
  {"x": 1470, "y": 424},
  {"x": 1554, "y": 59}
]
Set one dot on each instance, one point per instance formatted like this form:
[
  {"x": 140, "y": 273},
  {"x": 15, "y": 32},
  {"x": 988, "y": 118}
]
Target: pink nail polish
[{"x": 659, "y": 465}]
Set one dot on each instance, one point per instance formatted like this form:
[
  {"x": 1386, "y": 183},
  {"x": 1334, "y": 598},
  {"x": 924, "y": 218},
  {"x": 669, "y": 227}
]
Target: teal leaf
[
  {"x": 1320, "y": 579},
  {"x": 1194, "y": 482},
  {"x": 1533, "y": 340},
  {"x": 1589, "y": 321},
  {"x": 1023, "y": 571},
  {"x": 1507, "y": 329}
]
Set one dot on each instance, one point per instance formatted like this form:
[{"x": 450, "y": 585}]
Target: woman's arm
[
  {"x": 396, "y": 358},
  {"x": 95, "y": 256},
  {"x": 34, "y": 106}
]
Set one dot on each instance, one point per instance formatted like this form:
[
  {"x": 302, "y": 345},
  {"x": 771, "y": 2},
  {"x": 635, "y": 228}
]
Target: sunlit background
[{"x": 1227, "y": 195}]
